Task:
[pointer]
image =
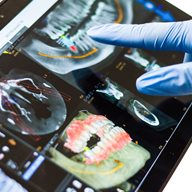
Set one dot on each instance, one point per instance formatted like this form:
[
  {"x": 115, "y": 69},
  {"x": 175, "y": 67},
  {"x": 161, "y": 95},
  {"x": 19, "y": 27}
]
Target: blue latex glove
[{"x": 170, "y": 81}]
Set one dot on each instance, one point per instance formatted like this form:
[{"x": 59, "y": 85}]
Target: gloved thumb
[{"x": 173, "y": 80}]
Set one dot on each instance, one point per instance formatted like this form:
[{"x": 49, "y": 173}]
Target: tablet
[{"x": 71, "y": 117}]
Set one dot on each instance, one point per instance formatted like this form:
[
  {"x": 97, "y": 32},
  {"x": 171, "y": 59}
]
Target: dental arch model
[
  {"x": 103, "y": 128},
  {"x": 107, "y": 163}
]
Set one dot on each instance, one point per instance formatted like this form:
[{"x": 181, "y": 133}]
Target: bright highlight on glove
[{"x": 167, "y": 81}]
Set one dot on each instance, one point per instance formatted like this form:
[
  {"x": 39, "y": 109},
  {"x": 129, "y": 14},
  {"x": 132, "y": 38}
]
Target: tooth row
[
  {"x": 92, "y": 129},
  {"x": 107, "y": 14},
  {"x": 83, "y": 41},
  {"x": 70, "y": 13},
  {"x": 106, "y": 125},
  {"x": 112, "y": 138},
  {"x": 107, "y": 145}
]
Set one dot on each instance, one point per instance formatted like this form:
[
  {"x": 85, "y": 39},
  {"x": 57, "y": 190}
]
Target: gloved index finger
[{"x": 156, "y": 36}]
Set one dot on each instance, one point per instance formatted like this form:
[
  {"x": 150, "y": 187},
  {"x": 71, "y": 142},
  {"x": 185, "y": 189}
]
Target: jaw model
[
  {"x": 107, "y": 163},
  {"x": 62, "y": 45}
]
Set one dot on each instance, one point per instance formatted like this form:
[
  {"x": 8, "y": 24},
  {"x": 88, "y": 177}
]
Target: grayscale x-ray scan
[
  {"x": 60, "y": 42},
  {"x": 29, "y": 104}
]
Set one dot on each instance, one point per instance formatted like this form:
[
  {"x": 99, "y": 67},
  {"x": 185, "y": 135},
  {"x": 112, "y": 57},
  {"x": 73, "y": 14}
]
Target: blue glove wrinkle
[
  {"x": 187, "y": 58},
  {"x": 187, "y": 36},
  {"x": 157, "y": 36}
]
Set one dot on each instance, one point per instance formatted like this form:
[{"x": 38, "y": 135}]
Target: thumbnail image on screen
[
  {"x": 98, "y": 152},
  {"x": 135, "y": 106},
  {"x": 60, "y": 42},
  {"x": 29, "y": 104},
  {"x": 142, "y": 60}
]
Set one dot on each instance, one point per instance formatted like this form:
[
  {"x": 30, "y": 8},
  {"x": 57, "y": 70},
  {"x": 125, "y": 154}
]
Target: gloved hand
[{"x": 170, "y": 81}]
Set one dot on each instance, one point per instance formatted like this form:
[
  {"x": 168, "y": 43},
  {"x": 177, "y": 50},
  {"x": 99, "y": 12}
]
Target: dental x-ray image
[
  {"x": 29, "y": 104},
  {"x": 60, "y": 43},
  {"x": 135, "y": 106},
  {"x": 142, "y": 60},
  {"x": 97, "y": 151}
]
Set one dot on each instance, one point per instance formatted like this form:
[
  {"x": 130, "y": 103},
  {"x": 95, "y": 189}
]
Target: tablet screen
[{"x": 75, "y": 101}]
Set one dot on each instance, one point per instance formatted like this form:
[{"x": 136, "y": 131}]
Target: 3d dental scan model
[
  {"x": 22, "y": 95},
  {"x": 96, "y": 150},
  {"x": 60, "y": 42}
]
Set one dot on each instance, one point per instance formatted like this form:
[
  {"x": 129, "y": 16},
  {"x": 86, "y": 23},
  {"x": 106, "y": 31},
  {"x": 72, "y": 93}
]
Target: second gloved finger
[
  {"x": 173, "y": 80},
  {"x": 187, "y": 58},
  {"x": 158, "y": 36}
]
